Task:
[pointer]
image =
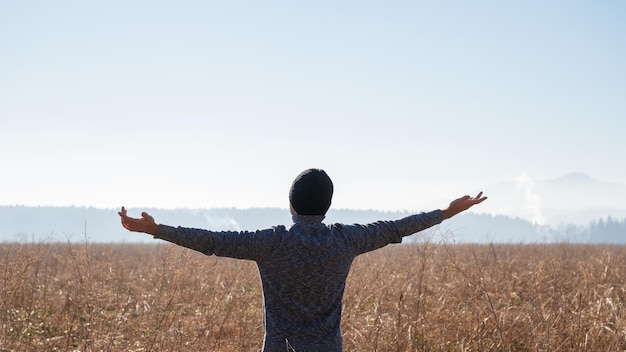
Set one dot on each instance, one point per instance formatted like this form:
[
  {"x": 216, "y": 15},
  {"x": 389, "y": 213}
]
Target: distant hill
[
  {"x": 77, "y": 224},
  {"x": 573, "y": 198}
]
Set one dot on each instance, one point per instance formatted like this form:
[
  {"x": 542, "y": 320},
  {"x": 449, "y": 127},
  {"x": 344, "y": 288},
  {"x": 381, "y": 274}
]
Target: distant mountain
[
  {"x": 573, "y": 198},
  {"x": 579, "y": 191}
]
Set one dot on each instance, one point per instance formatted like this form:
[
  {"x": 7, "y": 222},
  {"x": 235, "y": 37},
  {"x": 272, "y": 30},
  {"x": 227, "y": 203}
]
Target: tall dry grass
[{"x": 422, "y": 297}]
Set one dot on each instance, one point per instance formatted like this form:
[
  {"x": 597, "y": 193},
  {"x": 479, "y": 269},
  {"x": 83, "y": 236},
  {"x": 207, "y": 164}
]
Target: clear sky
[{"x": 221, "y": 104}]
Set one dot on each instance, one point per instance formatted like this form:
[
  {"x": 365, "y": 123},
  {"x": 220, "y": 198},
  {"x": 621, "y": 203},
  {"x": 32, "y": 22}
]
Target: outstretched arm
[
  {"x": 144, "y": 224},
  {"x": 462, "y": 204},
  {"x": 234, "y": 244}
]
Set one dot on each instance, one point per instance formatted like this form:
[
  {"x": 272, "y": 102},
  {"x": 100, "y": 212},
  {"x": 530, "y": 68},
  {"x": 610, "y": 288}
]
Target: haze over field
[{"x": 572, "y": 208}]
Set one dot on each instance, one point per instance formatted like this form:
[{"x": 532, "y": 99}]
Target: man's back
[{"x": 303, "y": 282}]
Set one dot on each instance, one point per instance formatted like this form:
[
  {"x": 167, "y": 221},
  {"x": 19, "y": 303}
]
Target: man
[{"x": 303, "y": 269}]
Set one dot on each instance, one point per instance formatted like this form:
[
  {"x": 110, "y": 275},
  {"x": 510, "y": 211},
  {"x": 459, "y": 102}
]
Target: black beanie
[{"x": 311, "y": 192}]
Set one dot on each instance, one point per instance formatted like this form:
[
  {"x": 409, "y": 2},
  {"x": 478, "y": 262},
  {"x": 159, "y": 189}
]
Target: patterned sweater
[{"x": 303, "y": 270}]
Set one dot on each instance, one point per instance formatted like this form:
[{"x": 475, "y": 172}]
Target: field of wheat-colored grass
[{"x": 417, "y": 297}]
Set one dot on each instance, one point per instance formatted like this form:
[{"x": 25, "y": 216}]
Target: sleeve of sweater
[
  {"x": 234, "y": 244},
  {"x": 366, "y": 238}
]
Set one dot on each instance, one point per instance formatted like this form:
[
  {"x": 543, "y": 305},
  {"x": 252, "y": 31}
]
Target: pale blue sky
[{"x": 211, "y": 104}]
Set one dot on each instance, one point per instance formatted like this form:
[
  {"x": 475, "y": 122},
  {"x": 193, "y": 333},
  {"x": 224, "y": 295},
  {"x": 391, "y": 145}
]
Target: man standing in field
[{"x": 303, "y": 269}]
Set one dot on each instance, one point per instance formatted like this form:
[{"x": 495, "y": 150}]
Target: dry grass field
[{"x": 419, "y": 297}]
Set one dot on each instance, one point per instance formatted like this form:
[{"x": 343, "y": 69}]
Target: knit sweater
[{"x": 303, "y": 270}]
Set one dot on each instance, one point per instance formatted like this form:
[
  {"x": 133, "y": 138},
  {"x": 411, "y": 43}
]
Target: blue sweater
[{"x": 303, "y": 270}]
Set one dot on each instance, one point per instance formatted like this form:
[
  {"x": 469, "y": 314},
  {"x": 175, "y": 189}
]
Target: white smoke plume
[{"x": 531, "y": 207}]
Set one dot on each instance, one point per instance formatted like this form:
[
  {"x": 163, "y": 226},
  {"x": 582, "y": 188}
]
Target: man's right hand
[{"x": 144, "y": 224}]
